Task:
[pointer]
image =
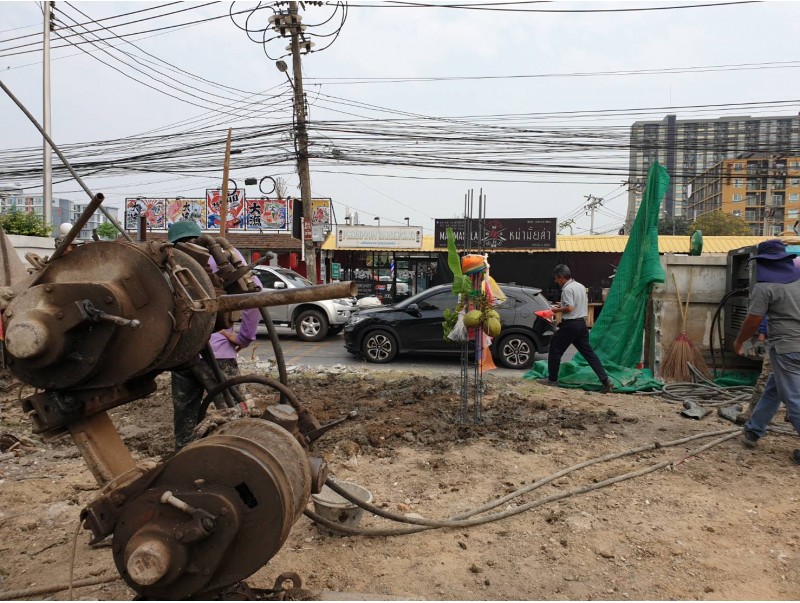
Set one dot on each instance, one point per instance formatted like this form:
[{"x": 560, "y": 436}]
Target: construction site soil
[{"x": 722, "y": 524}]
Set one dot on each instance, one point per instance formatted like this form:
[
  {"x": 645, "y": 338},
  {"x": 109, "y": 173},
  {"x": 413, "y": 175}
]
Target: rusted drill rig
[{"x": 92, "y": 326}]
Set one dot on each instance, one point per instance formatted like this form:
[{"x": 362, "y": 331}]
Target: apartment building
[
  {"x": 764, "y": 190},
  {"x": 688, "y": 148},
  {"x": 63, "y": 210}
]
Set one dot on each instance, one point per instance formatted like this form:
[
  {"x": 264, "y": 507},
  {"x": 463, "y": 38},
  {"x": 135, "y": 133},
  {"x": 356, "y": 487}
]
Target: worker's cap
[
  {"x": 774, "y": 264},
  {"x": 185, "y": 229}
]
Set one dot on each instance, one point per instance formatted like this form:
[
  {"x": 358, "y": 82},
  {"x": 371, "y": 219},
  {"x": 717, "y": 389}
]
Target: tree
[
  {"x": 673, "y": 225},
  {"x": 107, "y": 230},
  {"x": 25, "y": 223},
  {"x": 718, "y": 223}
]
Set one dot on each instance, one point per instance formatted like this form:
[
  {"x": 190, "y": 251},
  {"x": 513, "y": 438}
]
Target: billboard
[
  {"x": 235, "y": 217},
  {"x": 179, "y": 210},
  {"x": 266, "y": 214},
  {"x": 152, "y": 209},
  {"x": 500, "y": 233},
  {"x": 243, "y": 214},
  {"x": 382, "y": 237}
]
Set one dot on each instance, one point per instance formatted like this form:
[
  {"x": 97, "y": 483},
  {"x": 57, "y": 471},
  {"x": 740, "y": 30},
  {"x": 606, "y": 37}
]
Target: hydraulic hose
[
  {"x": 208, "y": 354},
  {"x": 715, "y": 320},
  {"x": 259, "y": 379},
  {"x": 461, "y": 520},
  {"x": 280, "y": 361}
]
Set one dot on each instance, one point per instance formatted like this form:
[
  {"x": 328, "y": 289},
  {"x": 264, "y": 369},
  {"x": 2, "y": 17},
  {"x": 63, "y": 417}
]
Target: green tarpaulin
[{"x": 617, "y": 334}]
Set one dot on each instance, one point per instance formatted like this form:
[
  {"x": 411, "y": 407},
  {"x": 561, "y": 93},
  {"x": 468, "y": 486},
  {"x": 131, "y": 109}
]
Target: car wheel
[
  {"x": 335, "y": 330},
  {"x": 311, "y": 325},
  {"x": 515, "y": 351},
  {"x": 379, "y": 346}
]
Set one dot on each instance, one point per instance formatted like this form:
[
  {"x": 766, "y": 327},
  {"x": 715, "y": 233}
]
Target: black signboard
[{"x": 500, "y": 233}]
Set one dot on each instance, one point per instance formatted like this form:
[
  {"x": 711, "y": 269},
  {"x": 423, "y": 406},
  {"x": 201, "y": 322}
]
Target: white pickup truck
[{"x": 311, "y": 321}]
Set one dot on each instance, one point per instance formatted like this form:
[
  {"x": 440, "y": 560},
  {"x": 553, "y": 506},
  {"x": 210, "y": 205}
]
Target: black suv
[{"x": 415, "y": 325}]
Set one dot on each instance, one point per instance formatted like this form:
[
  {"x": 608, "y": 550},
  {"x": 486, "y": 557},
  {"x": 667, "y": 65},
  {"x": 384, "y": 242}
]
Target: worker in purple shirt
[{"x": 187, "y": 389}]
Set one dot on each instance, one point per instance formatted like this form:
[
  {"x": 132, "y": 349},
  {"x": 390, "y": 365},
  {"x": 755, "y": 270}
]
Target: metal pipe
[
  {"x": 64, "y": 160},
  {"x": 78, "y": 226},
  {"x": 243, "y": 301}
]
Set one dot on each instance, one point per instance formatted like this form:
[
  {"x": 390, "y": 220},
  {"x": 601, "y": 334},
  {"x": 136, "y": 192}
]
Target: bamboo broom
[{"x": 682, "y": 352}]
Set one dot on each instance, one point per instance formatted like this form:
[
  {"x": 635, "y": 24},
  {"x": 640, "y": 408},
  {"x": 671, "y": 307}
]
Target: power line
[
  {"x": 497, "y": 8},
  {"x": 167, "y": 27},
  {"x": 103, "y": 19},
  {"x": 336, "y": 81}
]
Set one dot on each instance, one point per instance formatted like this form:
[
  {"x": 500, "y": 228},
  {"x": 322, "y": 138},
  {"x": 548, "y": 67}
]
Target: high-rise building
[
  {"x": 63, "y": 210},
  {"x": 16, "y": 200},
  {"x": 687, "y": 148},
  {"x": 764, "y": 190},
  {"x": 96, "y": 220}
]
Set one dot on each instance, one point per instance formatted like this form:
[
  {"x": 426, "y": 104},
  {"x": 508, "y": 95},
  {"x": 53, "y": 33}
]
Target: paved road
[{"x": 330, "y": 351}]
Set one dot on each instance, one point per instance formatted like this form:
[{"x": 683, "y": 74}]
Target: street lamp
[
  {"x": 378, "y": 220},
  {"x": 407, "y": 219}
]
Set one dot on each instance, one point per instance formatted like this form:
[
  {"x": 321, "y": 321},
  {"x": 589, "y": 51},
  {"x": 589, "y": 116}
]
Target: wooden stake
[{"x": 223, "y": 204}]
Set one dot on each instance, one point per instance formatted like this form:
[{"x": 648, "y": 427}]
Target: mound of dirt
[{"x": 718, "y": 526}]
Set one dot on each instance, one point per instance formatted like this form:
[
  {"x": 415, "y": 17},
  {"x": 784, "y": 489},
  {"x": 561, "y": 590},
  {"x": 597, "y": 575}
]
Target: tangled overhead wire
[{"x": 281, "y": 22}]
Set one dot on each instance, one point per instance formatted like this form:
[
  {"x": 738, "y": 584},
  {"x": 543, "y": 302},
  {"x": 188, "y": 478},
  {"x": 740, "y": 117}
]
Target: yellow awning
[{"x": 590, "y": 244}]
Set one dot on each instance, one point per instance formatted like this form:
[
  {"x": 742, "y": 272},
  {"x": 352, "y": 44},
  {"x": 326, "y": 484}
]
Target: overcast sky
[{"x": 91, "y": 101}]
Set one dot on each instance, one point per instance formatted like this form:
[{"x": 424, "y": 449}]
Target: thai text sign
[
  {"x": 500, "y": 233},
  {"x": 380, "y": 237}
]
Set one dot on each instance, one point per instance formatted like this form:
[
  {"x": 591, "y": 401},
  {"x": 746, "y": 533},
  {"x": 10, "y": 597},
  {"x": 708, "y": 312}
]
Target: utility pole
[
  {"x": 566, "y": 224},
  {"x": 301, "y": 137},
  {"x": 223, "y": 202},
  {"x": 768, "y": 209},
  {"x": 593, "y": 202},
  {"x": 47, "y": 184}
]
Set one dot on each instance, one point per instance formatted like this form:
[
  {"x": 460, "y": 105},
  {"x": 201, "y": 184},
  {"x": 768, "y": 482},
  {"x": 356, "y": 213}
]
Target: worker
[
  {"x": 187, "y": 390},
  {"x": 63, "y": 231},
  {"x": 776, "y": 295},
  {"x": 574, "y": 309}
]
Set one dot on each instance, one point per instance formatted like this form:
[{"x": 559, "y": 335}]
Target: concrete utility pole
[
  {"x": 593, "y": 202},
  {"x": 566, "y": 224},
  {"x": 47, "y": 184},
  {"x": 302, "y": 138}
]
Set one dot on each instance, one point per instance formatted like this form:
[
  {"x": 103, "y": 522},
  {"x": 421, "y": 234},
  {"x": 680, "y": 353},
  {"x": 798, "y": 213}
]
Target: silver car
[{"x": 311, "y": 321}]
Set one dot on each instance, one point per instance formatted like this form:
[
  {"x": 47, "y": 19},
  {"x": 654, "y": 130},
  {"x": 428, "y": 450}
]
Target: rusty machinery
[{"x": 92, "y": 326}]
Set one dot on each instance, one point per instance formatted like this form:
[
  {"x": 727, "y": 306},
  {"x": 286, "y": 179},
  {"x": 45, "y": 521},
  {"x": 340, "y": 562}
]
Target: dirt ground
[{"x": 723, "y": 525}]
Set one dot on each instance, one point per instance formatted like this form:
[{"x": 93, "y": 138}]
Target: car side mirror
[
  {"x": 414, "y": 310},
  {"x": 279, "y": 285}
]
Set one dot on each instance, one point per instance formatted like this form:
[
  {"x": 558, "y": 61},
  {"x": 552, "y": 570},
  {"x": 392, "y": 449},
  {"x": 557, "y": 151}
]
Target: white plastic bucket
[{"x": 334, "y": 508}]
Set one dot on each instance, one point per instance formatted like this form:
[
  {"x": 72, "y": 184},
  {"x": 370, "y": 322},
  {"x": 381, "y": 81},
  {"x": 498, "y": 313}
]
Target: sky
[{"x": 492, "y": 131}]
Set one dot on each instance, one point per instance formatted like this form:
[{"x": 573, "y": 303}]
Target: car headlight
[{"x": 355, "y": 319}]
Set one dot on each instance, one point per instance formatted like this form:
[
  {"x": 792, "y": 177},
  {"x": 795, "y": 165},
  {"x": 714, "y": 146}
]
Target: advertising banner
[
  {"x": 379, "y": 237},
  {"x": 266, "y": 214},
  {"x": 500, "y": 233},
  {"x": 152, "y": 209},
  {"x": 236, "y": 202},
  {"x": 179, "y": 210},
  {"x": 320, "y": 211}
]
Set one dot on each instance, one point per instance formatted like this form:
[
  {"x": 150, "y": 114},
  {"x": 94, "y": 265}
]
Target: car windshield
[{"x": 294, "y": 278}]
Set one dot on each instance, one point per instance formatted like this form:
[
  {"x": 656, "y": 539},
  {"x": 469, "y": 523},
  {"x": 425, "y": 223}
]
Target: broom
[{"x": 682, "y": 352}]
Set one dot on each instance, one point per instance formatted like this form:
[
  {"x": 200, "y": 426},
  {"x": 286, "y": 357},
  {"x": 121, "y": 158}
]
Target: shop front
[{"x": 391, "y": 263}]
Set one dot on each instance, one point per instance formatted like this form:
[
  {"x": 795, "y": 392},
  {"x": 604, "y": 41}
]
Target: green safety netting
[{"x": 617, "y": 334}]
